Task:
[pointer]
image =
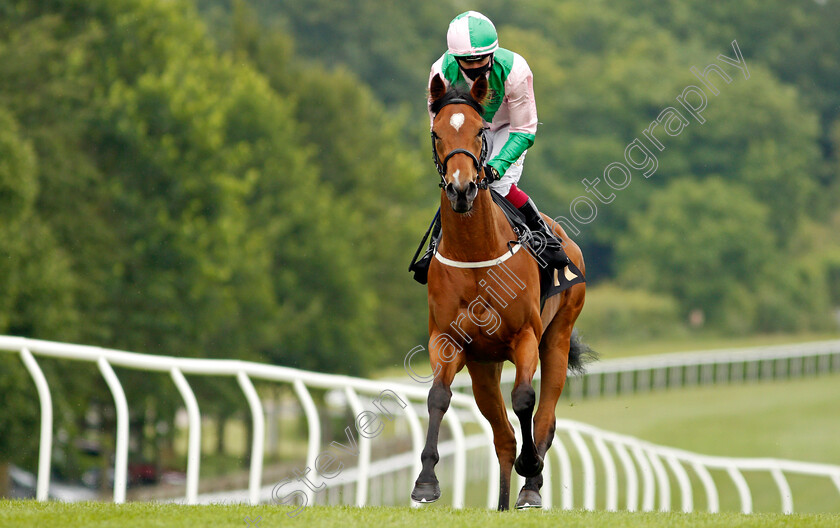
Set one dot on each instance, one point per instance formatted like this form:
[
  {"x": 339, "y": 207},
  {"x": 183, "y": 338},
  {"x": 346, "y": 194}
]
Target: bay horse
[{"x": 475, "y": 233}]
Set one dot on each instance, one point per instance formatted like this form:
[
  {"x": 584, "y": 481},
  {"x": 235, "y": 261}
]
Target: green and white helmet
[{"x": 471, "y": 34}]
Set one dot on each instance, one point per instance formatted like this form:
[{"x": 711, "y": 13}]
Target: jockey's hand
[{"x": 491, "y": 174}]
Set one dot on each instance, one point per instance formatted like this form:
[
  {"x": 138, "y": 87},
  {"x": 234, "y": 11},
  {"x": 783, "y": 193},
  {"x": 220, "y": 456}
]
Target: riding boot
[
  {"x": 421, "y": 267},
  {"x": 552, "y": 253}
]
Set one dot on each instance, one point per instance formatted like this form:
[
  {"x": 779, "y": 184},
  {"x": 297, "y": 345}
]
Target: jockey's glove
[{"x": 491, "y": 174}]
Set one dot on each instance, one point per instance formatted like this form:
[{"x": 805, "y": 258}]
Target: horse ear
[
  {"x": 479, "y": 89},
  {"x": 437, "y": 88}
]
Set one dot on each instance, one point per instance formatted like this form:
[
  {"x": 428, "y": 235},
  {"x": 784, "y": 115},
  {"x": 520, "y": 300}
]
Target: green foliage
[
  {"x": 17, "y": 193},
  {"x": 36, "y": 286},
  {"x": 19, "y": 422},
  {"x": 604, "y": 71},
  {"x": 710, "y": 231},
  {"x": 613, "y": 312},
  {"x": 816, "y": 262},
  {"x": 797, "y": 40},
  {"x": 206, "y": 215},
  {"x": 369, "y": 37},
  {"x": 375, "y": 176},
  {"x": 18, "y": 186},
  {"x": 164, "y": 197}
]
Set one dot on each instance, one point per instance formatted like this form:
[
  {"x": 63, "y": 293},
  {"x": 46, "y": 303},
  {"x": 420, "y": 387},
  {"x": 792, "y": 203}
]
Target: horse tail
[{"x": 580, "y": 354}]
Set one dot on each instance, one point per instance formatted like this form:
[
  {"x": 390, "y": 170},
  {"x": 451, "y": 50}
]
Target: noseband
[{"x": 478, "y": 162}]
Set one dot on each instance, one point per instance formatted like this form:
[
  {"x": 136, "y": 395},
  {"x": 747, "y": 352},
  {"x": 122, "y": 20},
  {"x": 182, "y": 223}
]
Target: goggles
[{"x": 473, "y": 58}]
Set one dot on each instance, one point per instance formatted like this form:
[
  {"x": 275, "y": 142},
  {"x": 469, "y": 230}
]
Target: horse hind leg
[
  {"x": 529, "y": 463},
  {"x": 544, "y": 426},
  {"x": 554, "y": 359},
  {"x": 529, "y": 495},
  {"x": 488, "y": 397},
  {"x": 523, "y": 397}
]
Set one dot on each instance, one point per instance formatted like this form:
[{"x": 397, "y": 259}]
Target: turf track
[{"x": 32, "y": 514}]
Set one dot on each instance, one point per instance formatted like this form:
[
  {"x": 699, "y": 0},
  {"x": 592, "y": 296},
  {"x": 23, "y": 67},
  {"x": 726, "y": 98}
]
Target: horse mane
[{"x": 456, "y": 94}]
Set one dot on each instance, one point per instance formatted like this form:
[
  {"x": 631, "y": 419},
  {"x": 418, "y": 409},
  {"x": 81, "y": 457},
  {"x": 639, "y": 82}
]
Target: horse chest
[{"x": 482, "y": 325}]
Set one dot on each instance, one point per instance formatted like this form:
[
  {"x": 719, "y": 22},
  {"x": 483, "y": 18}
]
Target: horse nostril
[
  {"x": 451, "y": 192},
  {"x": 472, "y": 191}
]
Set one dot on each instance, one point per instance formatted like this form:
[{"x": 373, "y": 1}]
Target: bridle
[{"x": 478, "y": 162}]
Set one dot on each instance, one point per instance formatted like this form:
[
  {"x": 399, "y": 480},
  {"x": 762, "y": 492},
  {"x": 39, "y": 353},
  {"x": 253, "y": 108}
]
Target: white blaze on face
[
  {"x": 457, "y": 175},
  {"x": 456, "y": 121}
]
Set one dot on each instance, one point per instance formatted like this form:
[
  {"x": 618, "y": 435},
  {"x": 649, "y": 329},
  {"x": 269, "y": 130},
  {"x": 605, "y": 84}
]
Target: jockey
[{"x": 511, "y": 113}]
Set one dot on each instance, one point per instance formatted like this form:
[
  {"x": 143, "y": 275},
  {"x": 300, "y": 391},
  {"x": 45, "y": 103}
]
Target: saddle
[{"x": 552, "y": 280}]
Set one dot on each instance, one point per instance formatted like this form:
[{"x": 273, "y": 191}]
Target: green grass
[
  {"x": 30, "y": 514},
  {"x": 795, "y": 419}
]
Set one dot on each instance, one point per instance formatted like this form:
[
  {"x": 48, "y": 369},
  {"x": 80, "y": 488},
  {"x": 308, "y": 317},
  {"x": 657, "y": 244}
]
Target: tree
[
  {"x": 384, "y": 190},
  {"x": 705, "y": 243},
  {"x": 37, "y": 289},
  {"x": 189, "y": 218}
]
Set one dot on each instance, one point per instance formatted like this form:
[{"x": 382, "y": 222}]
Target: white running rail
[
  {"x": 683, "y": 369},
  {"x": 604, "y": 469}
]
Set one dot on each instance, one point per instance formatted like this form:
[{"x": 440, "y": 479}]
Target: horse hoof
[
  {"x": 528, "y": 499},
  {"x": 425, "y": 492},
  {"x": 528, "y": 470}
]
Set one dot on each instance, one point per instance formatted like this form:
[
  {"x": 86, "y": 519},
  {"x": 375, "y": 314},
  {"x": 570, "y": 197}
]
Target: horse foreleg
[
  {"x": 488, "y": 396},
  {"x": 426, "y": 487},
  {"x": 523, "y": 399}
]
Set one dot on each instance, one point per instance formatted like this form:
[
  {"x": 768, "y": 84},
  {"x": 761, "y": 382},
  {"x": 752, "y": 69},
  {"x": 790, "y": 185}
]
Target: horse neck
[{"x": 481, "y": 234}]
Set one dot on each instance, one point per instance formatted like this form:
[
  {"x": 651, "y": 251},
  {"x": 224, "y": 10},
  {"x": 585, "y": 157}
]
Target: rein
[{"x": 478, "y": 162}]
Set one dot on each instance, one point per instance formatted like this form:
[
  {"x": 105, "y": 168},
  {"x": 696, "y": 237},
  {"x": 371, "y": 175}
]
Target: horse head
[{"x": 458, "y": 139}]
